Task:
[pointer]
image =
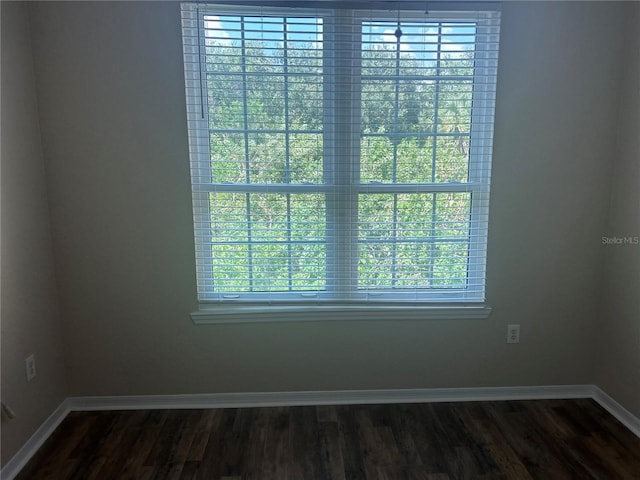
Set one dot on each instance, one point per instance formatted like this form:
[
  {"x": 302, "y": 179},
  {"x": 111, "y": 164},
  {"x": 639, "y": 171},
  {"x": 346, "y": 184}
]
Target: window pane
[
  {"x": 305, "y": 158},
  {"x": 416, "y": 49},
  {"x": 230, "y": 268},
  {"x": 227, "y": 157},
  {"x": 375, "y": 217},
  {"x": 308, "y": 267},
  {"x": 375, "y": 212},
  {"x": 267, "y": 158},
  {"x": 268, "y": 242},
  {"x": 397, "y": 106},
  {"x": 405, "y": 137},
  {"x": 265, "y": 90},
  {"x": 223, "y": 57},
  {"x": 415, "y": 157},
  {"x": 413, "y": 265},
  {"x": 228, "y": 217},
  {"x": 374, "y": 265},
  {"x": 413, "y": 240},
  {"x": 229, "y": 249},
  {"x": 265, "y": 103},
  {"x": 454, "y": 107},
  {"x": 269, "y": 219},
  {"x": 378, "y": 104},
  {"x": 452, "y": 215},
  {"x": 450, "y": 265},
  {"x": 225, "y": 101},
  {"x": 305, "y": 102},
  {"x": 376, "y": 159},
  {"x": 394, "y": 247},
  {"x": 452, "y": 159},
  {"x": 288, "y": 232},
  {"x": 458, "y": 48},
  {"x": 270, "y": 268},
  {"x": 308, "y": 234}
]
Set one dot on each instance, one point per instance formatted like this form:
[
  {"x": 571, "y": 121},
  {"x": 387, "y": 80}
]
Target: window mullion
[{"x": 342, "y": 65}]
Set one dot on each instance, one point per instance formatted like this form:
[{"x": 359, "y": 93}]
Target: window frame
[{"x": 341, "y": 143}]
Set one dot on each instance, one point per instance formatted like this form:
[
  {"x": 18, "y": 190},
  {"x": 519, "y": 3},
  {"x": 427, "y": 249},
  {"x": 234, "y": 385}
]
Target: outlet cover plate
[
  {"x": 30, "y": 365},
  {"x": 513, "y": 333}
]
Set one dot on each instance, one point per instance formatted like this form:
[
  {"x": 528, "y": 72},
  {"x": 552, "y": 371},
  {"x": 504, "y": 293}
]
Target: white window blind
[{"x": 340, "y": 155}]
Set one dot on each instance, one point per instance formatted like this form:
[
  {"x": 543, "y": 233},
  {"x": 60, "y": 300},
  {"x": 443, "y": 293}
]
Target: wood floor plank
[
  {"x": 398, "y": 419},
  {"x": 189, "y": 469},
  {"x": 538, "y": 459},
  {"x": 334, "y": 463},
  {"x": 498, "y": 448},
  {"x": 213, "y": 457},
  {"x": 139, "y": 452},
  {"x": 349, "y": 444},
  {"x": 523, "y": 440}
]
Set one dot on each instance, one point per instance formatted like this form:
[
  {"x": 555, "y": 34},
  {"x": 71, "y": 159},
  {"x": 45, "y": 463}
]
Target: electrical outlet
[
  {"x": 30, "y": 364},
  {"x": 513, "y": 333}
]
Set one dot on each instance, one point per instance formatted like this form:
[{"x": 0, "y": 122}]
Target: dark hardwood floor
[{"x": 542, "y": 439}]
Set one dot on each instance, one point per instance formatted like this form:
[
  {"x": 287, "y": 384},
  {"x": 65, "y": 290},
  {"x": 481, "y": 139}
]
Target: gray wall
[
  {"x": 30, "y": 321},
  {"x": 618, "y": 366},
  {"x": 110, "y": 86}
]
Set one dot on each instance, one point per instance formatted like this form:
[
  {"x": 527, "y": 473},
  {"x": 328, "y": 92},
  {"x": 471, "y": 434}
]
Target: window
[{"x": 340, "y": 156}]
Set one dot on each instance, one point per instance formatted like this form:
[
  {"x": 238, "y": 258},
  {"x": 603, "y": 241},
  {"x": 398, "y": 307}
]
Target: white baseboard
[
  {"x": 340, "y": 397},
  {"x": 625, "y": 417},
  {"x": 28, "y": 450}
]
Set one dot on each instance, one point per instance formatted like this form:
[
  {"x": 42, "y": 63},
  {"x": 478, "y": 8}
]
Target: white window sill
[{"x": 246, "y": 313}]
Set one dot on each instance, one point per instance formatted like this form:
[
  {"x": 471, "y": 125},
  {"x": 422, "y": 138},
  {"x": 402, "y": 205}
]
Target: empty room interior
[{"x": 384, "y": 232}]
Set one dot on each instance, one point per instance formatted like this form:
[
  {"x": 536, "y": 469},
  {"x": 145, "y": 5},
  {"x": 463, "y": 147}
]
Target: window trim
[
  {"x": 252, "y": 312},
  {"x": 361, "y": 302}
]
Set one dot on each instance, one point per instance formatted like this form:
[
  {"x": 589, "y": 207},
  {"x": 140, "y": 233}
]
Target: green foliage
[{"x": 274, "y": 135}]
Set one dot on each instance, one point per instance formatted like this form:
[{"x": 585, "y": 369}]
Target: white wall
[
  {"x": 110, "y": 85},
  {"x": 618, "y": 365},
  {"x": 30, "y": 321}
]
